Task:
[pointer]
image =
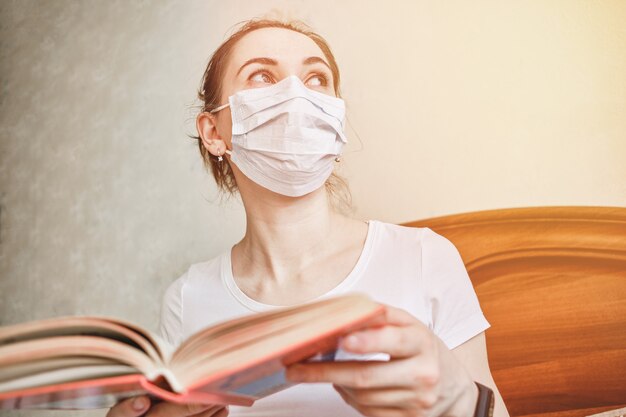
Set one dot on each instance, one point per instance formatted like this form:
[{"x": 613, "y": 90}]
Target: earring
[
  {"x": 338, "y": 159},
  {"x": 219, "y": 158}
]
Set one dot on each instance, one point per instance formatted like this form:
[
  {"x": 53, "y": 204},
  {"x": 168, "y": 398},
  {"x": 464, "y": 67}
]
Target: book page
[
  {"x": 67, "y": 347},
  {"x": 104, "y": 327},
  {"x": 33, "y": 367},
  {"x": 59, "y": 376}
]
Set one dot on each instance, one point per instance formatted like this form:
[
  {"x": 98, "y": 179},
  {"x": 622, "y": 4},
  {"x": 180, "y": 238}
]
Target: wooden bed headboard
[{"x": 552, "y": 283}]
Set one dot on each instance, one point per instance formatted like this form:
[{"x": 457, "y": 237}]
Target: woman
[{"x": 271, "y": 128}]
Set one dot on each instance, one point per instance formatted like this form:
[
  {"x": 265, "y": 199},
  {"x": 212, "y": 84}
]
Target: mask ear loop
[
  {"x": 222, "y": 107},
  {"x": 356, "y": 134},
  {"x": 220, "y": 158},
  {"x": 338, "y": 158}
]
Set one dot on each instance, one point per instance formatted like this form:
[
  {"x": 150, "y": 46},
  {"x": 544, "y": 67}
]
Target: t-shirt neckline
[{"x": 341, "y": 288}]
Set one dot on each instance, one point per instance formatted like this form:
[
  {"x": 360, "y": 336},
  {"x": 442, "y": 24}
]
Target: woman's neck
[
  {"x": 287, "y": 242},
  {"x": 285, "y": 233}
]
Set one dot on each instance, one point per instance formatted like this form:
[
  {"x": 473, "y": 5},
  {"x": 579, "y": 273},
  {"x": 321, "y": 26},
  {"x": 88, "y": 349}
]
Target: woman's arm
[{"x": 473, "y": 355}]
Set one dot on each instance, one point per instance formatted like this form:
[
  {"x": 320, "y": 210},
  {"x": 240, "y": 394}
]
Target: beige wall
[{"x": 459, "y": 106}]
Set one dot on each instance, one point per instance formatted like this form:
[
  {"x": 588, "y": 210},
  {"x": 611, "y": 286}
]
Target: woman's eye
[
  {"x": 261, "y": 77},
  {"x": 317, "y": 80}
]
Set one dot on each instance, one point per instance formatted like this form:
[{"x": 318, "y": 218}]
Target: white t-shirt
[{"x": 414, "y": 269}]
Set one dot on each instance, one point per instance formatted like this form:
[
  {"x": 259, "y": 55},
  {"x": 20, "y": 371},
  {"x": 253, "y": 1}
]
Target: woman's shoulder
[
  {"x": 196, "y": 274},
  {"x": 432, "y": 246},
  {"x": 203, "y": 269},
  {"x": 423, "y": 235}
]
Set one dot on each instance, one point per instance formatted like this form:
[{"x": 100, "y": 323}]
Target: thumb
[{"x": 130, "y": 407}]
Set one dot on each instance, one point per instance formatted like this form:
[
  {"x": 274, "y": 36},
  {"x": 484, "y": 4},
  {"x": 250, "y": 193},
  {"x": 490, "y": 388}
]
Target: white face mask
[{"x": 286, "y": 137}]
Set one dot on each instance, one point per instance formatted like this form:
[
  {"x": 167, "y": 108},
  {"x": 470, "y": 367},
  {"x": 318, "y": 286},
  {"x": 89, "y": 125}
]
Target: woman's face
[{"x": 264, "y": 57}]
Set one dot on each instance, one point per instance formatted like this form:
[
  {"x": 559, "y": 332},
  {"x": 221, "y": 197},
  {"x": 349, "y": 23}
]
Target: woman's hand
[
  {"x": 140, "y": 406},
  {"x": 422, "y": 378}
]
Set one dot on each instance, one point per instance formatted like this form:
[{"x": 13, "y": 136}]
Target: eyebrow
[
  {"x": 270, "y": 61},
  {"x": 315, "y": 59}
]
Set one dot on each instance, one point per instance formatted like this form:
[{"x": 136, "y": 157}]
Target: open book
[{"x": 93, "y": 362}]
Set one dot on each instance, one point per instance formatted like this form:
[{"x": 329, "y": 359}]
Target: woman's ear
[{"x": 207, "y": 129}]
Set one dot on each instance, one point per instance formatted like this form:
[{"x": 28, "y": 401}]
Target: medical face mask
[{"x": 286, "y": 137}]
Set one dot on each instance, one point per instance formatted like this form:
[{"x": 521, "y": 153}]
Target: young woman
[{"x": 271, "y": 128}]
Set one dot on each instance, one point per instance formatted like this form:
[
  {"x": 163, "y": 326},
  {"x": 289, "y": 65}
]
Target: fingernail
[
  {"x": 351, "y": 342},
  {"x": 139, "y": 403}
]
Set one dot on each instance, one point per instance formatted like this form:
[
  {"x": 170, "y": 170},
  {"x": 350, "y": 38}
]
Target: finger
[
  {"x": 217, "y": 411},
  {"x": 130, "y": 407},
  {"x": 356, "y": 374},
  {"x": 397, "y": 397},
  {"x": 222, "y": 413},
  {"x": 397, "y": 341},
  {"x": 372, "y": 411},
  {"x": 168, "y": 409}
]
